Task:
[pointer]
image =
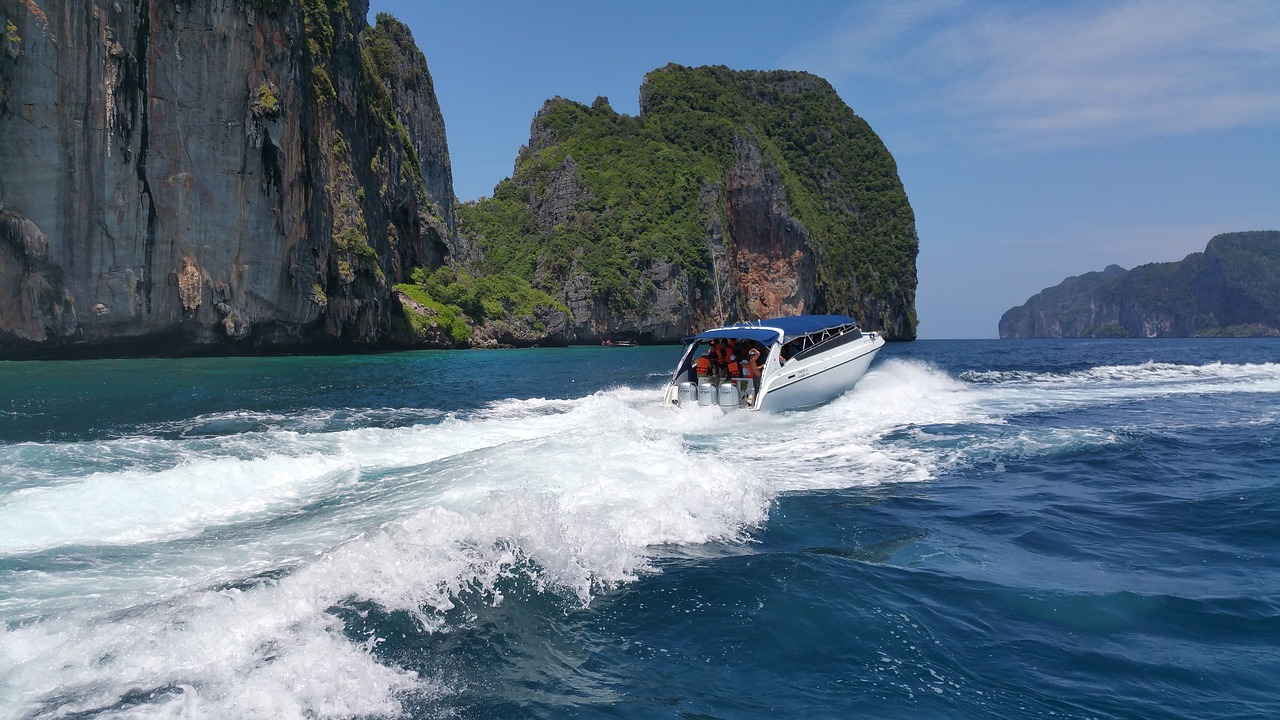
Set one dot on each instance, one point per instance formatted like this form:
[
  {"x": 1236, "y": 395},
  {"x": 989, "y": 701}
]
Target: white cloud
[{"x": 1060, "y": 73}]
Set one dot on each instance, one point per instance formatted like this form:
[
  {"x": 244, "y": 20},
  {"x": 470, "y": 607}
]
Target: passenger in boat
[
  {"x": 755, "y": 366},
  {"x": 719, "y": 355},
  {"x": 733, "y": 362},
  {"x": 702, "y": 366},
  {"x": 789, "y": 350}
]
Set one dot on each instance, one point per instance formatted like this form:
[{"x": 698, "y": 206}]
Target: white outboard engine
[
  {"x": 706, "y": 393},
  {"x": 729, "y": 396},
  {"x": 688, "y": 393}
]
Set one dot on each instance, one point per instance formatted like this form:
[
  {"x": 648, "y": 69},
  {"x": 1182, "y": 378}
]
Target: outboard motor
[
  {"x": 688, "y": 393},
  {"x": 706, "y": 393},
  {"x": 729, "y": 396}
]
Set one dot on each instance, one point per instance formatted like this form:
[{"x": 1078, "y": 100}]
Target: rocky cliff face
[
  {"x": 774, "y": 260},
  {"x": 1231, "y": 289},
  {"x": 225, "y": 176},
  {"x": 733, "y": 196}
]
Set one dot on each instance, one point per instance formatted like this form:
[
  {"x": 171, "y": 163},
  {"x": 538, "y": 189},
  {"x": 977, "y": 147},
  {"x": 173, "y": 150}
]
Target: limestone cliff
[
  {"x": 1230, "y": 289},
  {"x": 732, "y": 196},
  {"x": 222, "y": 176}
]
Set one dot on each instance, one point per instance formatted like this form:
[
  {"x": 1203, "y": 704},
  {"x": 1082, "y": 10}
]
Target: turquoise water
[{"x": 979, "y": 529}]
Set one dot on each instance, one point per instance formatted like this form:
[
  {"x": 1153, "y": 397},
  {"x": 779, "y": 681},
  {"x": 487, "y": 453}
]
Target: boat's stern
[{"x": 689, "y": 388}]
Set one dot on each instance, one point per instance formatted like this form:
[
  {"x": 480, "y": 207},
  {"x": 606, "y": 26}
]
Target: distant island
[
  {"x": 1232, "y": 289},
  {"x": 284, "y": 186}
]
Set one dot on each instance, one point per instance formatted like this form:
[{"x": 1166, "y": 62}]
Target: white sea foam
[
  {"x": 577, "y": 495},
  {"x": 1016, "y": 393},
  {"x": 270, "y": 651},
  {"x": 211, "y": 482},
  {"x": 576, "y": 492},
  {"x": 135, "y": 506},
  {"x": 1149, "y": 378}
]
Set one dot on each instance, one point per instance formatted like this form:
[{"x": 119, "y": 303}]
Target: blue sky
[{"x": 1036, "y": 140}]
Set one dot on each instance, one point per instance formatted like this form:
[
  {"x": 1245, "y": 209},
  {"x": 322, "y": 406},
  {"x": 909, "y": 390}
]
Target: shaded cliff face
[
  {"x": 1232, "y": 288},
  {"x": 733, "y": 196},
  {"x": 231, "y": 176}
]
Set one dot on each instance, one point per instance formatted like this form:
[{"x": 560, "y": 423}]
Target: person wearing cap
[{"x": 756, "y": 363}]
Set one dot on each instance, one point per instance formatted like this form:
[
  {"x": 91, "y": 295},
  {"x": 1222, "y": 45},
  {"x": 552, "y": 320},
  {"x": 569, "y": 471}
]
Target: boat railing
[{"x": 825, "y": 340}]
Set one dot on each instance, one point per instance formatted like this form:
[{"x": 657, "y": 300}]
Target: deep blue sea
[{"x": 980, "y": 529}]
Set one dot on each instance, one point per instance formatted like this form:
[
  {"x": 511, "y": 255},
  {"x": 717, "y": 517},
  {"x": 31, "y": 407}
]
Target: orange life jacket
[{"x": 703, "y": 366}]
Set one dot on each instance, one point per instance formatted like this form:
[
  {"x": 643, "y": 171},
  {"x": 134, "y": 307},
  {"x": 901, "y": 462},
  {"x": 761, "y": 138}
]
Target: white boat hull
[{"x": 805, "y": 382}]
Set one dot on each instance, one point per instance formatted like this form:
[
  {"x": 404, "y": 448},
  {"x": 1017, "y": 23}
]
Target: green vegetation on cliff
[
  {"x": 318, "y": 25},
  {"x": 12, "y": 40},
  {"x": 841, "y": 181},
  {"x": 457, "y": 302},
  {"x": 639, "y": 203},
  {"x": 608, "y": 195},
  {"x": 380, "y": 47}
]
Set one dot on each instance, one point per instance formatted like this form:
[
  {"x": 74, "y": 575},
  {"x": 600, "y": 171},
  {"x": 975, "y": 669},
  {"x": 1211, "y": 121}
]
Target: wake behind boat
[{"x": 781, "y": 363}]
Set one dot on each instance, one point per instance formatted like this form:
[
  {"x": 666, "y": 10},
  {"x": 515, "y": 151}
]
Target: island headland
[{"x": 1232, "y": 289}]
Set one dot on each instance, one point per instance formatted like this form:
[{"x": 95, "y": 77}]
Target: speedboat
[{"x": 804, "y": 360}]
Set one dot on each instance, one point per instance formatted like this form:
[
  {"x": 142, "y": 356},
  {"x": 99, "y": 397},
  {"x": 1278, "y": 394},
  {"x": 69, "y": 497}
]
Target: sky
[{"x": 1035, "y": 140}]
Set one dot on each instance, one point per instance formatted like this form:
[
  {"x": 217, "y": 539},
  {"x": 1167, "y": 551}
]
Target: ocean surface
[{"x": 980, "y": 529}]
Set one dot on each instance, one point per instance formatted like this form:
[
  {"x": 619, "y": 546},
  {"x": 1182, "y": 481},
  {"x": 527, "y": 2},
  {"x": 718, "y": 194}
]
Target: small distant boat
[
  {"x": 805, "y": 360},
  {"x": 618, "y": 343}
]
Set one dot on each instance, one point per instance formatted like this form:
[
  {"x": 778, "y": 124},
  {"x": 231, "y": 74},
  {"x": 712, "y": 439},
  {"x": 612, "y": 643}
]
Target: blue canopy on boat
[{"x": 766, "y": 331}]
